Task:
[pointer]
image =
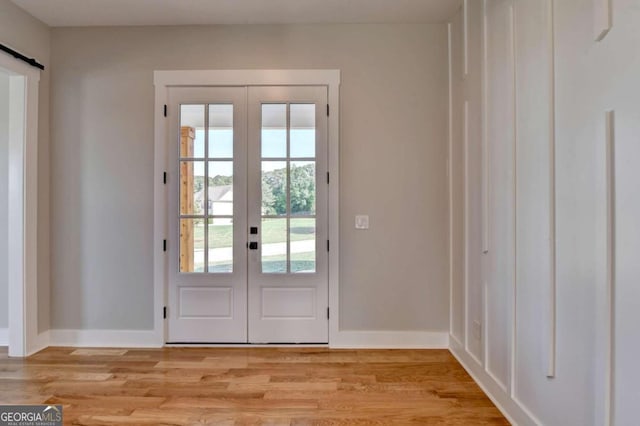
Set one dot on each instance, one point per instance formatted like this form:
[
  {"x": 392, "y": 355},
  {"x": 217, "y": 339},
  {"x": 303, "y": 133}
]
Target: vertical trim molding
[
  {"x": 465, "y": 138},
  {"x": 485, "y": 135},
  {"x": 450, "y": 178},
  {"x": 551, "y": 366},
  {"x": 485, "y": 323},
  {"x": 465, "y": 41},
  {"x": 602, "y": 19},
  {"x": 485, "y": 187},
  {"x": 611, "y": 267},
  {"x": 512, "y": 36},
  {"x": 333, "y": 199},
  {"x": 484, "y": 87},
  {"x": 160, "y": 224}
]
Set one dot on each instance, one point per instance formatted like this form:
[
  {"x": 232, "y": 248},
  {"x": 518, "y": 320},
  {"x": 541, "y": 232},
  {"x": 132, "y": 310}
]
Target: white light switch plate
[{"x": 362, "y": 222}]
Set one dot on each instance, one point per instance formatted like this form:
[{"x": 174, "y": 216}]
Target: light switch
[{"x": 362, "y": 222}]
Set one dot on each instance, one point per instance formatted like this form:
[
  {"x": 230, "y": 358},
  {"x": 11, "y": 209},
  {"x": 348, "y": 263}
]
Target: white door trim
[
  {"x": 23, "y": 205},
  {"x": 165, "y": 79}
]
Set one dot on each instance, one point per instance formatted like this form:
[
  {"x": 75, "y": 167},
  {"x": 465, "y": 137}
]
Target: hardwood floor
[{"x": 269, "y": 386}]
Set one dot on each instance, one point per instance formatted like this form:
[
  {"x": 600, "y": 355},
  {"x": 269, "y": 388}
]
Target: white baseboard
[
  {"x": 40, "y": 342},
  {"x": 149, "y": 339},
  {"x": 390, "y": 339},
  {"x": 507, "y": 405},
  {"x": 104, "y": 338}
]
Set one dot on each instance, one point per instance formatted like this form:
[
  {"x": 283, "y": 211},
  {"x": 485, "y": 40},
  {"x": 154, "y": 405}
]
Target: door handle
[{"x": 253, "y": 245}]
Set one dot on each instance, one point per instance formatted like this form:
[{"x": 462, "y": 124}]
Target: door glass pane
[
  {"x": 191, "y": 245},
  {"x": 220, "y": 245},
  {"x": 192, "y": 131},
  {"x": 220, "y": 131},
  {"x": 220, "y": 201},
  {"x": 274, "y": 246},
  {"x": 274, "y": 131},
  {"x": 274, "y": 188},
  {"x": 302, "y": 234},
  {"x": 303, "y": 130},
  {"x": 191, "y": 187},
  {"x": 206, "y": 188},
  {"x": 303, "y": 188}
]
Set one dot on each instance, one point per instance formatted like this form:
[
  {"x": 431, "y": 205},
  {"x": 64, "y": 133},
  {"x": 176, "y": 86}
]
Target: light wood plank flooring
[{"x": 268, "y": 386}]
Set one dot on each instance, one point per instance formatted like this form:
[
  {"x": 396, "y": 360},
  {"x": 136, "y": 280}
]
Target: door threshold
[{"x": 245, "y": 345}]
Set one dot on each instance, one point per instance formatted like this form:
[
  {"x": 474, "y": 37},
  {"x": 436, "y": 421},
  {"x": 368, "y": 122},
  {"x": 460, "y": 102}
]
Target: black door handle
[{"x": 253, "y": 245}]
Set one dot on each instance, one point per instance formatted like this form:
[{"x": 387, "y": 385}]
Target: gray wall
[
  {"x": 393, "y": 162},
  {"x": 28, "y": 35},
  {"x": 4, "y": 177}
]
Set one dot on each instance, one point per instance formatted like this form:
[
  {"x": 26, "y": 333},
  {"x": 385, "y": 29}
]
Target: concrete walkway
[{"x": 273, "y": 249}]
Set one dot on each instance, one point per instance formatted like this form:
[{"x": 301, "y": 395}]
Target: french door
[{"x": 247, "y": 254}]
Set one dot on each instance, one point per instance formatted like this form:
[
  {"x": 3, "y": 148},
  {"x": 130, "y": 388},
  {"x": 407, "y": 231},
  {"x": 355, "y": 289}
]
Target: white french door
[
  {"x": 206, "y": 247},
  {"x": 247, "y": 190},
  {"x": 288, "y": 270}
]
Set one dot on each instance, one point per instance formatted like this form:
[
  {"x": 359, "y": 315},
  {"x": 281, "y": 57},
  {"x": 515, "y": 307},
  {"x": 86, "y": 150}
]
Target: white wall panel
[
  {"x": 625, "y": 372},
  {"x": 550, "y": 89},
  {"x": 581, "y": 223},
  {"x": 501, "y": 134},
  {"x": 535, "y": 321},
  {"x": 473, "y": 182},
  {"x": 618, "y": 68}
]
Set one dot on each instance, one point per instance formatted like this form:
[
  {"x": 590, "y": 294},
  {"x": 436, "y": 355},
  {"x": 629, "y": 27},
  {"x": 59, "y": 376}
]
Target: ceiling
[{"x": 62, "y": 13}]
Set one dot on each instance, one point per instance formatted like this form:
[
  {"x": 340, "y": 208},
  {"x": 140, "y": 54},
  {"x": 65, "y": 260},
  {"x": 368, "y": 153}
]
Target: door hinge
[
  {"x": 165, "y": 110},
  {"x": 164, "y": 245},
  {"x": 164, "y": 312},
  {"x": 327, "y": 110},
  {"x": 328, "y": 179},
  {"x": 164, "y": 178},
  {"x": 327, "y": 245},
  {"x": 328, "y": 316}
]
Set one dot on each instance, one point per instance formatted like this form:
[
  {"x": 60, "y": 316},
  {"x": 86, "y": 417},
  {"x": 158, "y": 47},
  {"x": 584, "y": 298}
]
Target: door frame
[
  {"x": 163, "y": 80},
  {"x": 22, "y": 268}
]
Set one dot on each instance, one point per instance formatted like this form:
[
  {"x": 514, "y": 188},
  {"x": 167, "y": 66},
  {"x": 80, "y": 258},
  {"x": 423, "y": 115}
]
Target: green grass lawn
[
  {"x": 273, "y": 231},
  {"x": 275, "y": 264},
  {"x": 299, "y": 262}
]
